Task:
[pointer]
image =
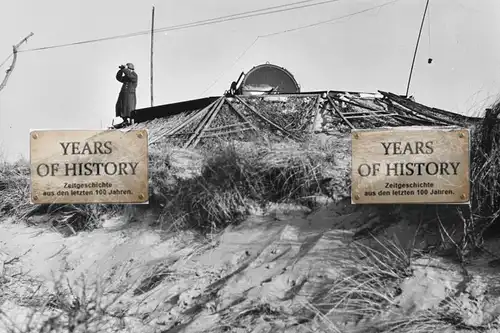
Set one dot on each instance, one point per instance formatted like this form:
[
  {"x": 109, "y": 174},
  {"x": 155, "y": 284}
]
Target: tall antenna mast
[
  {"x": 416, "y": 48},
  {"x": 152, "y": 41}
]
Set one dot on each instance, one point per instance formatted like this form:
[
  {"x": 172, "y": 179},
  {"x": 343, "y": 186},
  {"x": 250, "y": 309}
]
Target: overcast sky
[{"x": 75, "y": 86}]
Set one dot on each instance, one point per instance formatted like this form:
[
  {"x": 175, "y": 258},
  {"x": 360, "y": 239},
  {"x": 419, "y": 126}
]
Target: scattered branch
[
  {"x": 15, "y": 259},
  {"x": 14, "y": 60}
]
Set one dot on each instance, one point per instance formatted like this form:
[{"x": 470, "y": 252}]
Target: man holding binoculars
[{"x": 126, "y": 99}]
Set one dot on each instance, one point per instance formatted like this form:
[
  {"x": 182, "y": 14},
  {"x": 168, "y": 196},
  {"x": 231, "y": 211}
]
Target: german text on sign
[
  {"x": 410, "y": 165},
  {"x": 84, "y": 166}
]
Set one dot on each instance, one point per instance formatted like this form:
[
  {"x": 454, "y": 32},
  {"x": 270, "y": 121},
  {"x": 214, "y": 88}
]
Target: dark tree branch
[{"x": 14, "y": 59}]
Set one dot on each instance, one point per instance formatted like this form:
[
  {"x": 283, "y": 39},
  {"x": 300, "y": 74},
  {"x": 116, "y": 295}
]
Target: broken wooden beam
[
  {"x": 242, "y": 116},
  {"x": 265, "y": 119},
  {"x": 411, "y": 120},
  {"x": 349, "y": 101},
  {"x": 202, "y": 123},
  {"x": 194, "y": 116},
  {"x": 211, "y": 135},
  {"x": 227, "y": 126},
  {"x": 447, "y": 117},
  {"x": 316, "y": 113},
  {"x": 370, "y": 115},
  {"x": 412, "y": 114},
  {"x": 435, "y": 120},
  {"x": 334, "y": 107},
  {"x": 207, "y": 123}
]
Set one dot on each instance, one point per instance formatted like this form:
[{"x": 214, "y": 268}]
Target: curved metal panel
[{"x": 266, "y": 77}]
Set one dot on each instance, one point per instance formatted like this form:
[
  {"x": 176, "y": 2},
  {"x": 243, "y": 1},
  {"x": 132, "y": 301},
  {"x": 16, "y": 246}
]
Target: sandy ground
[
  {"x": 262, "y": 261},
  {"x": 255, "y": 277}
]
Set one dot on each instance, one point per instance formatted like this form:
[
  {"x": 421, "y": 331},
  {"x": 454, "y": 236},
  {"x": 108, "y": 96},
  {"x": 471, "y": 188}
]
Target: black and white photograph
[{"x": 296, "y": 166}]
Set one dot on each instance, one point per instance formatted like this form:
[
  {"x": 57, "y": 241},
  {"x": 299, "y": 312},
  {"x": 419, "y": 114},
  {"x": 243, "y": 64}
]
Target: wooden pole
[
  {"x": 152, "y": 44},
  {"x": 416, "y": 48},
  {"x": 316, "y": 110},
  {"x": 335, "y": 109},
  {"x": 209, "y": 122},
  {"x": 14, "y": 59},
  {"x": 204, "y": 121},
  {"x": 191, "y": 118},
  {"x": 242, "y": 116},
  {"x": 249, "y": 107}
]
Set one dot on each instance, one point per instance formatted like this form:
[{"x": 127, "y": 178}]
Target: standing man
[{"x": 126, "y": 100}]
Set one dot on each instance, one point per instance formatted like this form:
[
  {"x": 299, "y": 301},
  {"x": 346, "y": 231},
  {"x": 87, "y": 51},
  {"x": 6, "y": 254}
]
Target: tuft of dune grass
[
  {"x": 232, "y": 180},
  {"x": 368, "y": 282},
  {"x": 485, "y": 180},
  {"x": 14, "y": 188},
  {"x": 364, "y": 297}
]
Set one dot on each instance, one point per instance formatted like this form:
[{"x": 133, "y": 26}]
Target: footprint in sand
[{"x": 494, "y": 263}]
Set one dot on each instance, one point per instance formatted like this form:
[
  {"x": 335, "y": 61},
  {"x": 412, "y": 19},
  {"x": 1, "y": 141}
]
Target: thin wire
[
  {"x": 291, "y": 30},
  {"x": 330, "y": 20},
  {"x": 222, "y": 19},
  {"x": 6, "y": 59},
  {"x": 247, "y": 16},
  {"x": 247, "y": 12},
  {"x": 234, "y": 63}
]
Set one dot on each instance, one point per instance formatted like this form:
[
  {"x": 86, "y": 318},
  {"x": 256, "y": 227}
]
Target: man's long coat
[{"x": 126, "y": 100}]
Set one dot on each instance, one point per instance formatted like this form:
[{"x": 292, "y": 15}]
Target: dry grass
[
  {"x": 72, "y": 307},
  {"x": 15, "y": 188},
  {"x": 231, "y": 180},
  {"x": 364, "y": 298},
  {"x": 15, "y": 194},
  {"x": 234, "y": 178},
  {"x": 485, "y": 178},
  {"x": 368, "y": 283}
]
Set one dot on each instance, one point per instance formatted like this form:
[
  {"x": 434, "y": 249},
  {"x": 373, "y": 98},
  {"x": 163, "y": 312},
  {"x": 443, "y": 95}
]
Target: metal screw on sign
[
  {"x": 35, "y": 136},
  {"x": 141, "y": 196},
  {"x": 461, "y": 135},
  {"x": 139, "y": 135},
  {"x": 356, "y": 197},
  {"x": 35, "y": 198},
  {"x": 356, "y": 135},
  {"x": 463, "y": 196}
]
